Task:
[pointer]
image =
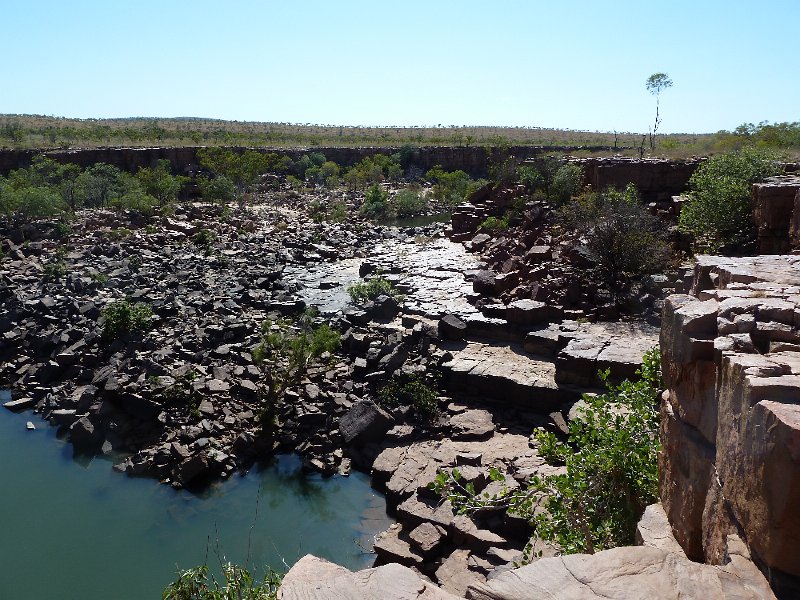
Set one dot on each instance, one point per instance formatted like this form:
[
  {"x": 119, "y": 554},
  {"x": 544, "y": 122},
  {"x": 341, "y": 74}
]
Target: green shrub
[
  {"x": 567, "y": 182},
  {"x": 453, "y": 187},
  {"x": 411, "y": 391},
  {"x": 530, "y": 177},
  {"x": 718, "y": 213},
  {"x": 408, "y": 202},
  {"x": 374, "y": 205},
  {"x": 216, "y": 189},
  {"x": 239, "y": 584},
  {"x": 495, "y": 224},
  {"x": 123, "y": 316},
  {"x": 204, "y": 239},
  {"x": 284, "y": 353},
  {"x": 610, "y": 457},
  {"x": 160, "y": 183},
  {"x": 369, "y": 289}
]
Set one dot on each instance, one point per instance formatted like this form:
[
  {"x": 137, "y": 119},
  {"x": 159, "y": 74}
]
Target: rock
[
  {"x": 475, "y": 424},
  {"x": 84, "y": 435},
  {"x": 20, "y": 404},
  {"x": 313, "y": 578},
  {"x": 427, "y": 538},
  {"x": 484, "y": 283},
  {"x": 466, "y": 534},
  {"x": 30, "y": 426},
  {"x": 627, "y": 573},
  {"x": 391, "y": 549},
  {"x": 454, "y": 575},
  {"x": 191, "y": 468},
  {"x": 452, "y": 328},
  {"x": 655, "y": 531},
  {"x": 364, "y": 422}
]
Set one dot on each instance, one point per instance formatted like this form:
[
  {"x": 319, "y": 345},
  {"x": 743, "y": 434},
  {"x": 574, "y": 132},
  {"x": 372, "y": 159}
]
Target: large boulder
[
  {"x": 629, "y": 573},
  {"x": 313, "y": 578},
  {"x": 365, "y": 422}
]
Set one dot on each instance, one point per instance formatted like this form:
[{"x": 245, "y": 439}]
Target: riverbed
[{"x": 73, "y": 528}]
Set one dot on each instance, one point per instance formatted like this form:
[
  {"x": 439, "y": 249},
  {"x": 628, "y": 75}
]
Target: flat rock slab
[
  {"x": 313, "y": 578},
  {"x": 506, "y": 374},
  {"x": 627, "y": 573},
  {"x": 595, "y": 347},
  {"x": 405, "y": 469},
  {"x": 475, "y": 424}
]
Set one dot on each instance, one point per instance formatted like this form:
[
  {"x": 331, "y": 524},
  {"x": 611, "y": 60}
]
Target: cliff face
[{"x": 731, "y": 416}]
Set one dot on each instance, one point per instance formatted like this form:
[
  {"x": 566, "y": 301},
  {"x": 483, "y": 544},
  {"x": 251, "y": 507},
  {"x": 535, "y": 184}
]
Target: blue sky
[{"x": 557, "y": 63}]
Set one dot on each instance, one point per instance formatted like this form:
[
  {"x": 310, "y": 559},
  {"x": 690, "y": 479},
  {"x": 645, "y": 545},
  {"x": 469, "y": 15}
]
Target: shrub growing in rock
[
  {"x": 284, "y": 353},
  {"x": 610, "y": 457},
  {"x": 123, "y": 316},
  {"x": 374, "y": 205},
  {"x": 413, "y": 391},
  {"x": 718, "y": 213},
  {"x": 408, "y": 202},
  {"x": 198, "y": 584},
  {"x": 369, "y": 289}
]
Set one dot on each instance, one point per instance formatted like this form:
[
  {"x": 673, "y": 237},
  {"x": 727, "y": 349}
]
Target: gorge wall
[
  {"x": 730, "y": 420},
  {"x": 656, "y": 179}
]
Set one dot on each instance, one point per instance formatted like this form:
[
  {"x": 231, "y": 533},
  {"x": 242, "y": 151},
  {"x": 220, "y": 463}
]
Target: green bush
[
  {"x": 123, "y": 316},
  {"x": 495, "y": 224},
  {"x": 369, "y": 289},
  {"x": 239, "y": 584},
  {"x": 408, "y": 202},
  {"x": 611, "y": 474},
  {"x": 719, "y": 213},
  {"x": 453, "y": 187},
  {"x": 411, "y": 391},
  {"x": 283, "y": 355},
  {"x": 216, "y": 189},
  {"x": 567, "y": 182},
  {"x": 374, "y": 205},
  {"x": 204, "y": 239},
  {"x": 160, "y": 183}
]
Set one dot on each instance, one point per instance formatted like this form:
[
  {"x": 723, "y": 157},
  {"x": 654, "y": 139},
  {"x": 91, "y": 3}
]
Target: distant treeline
[{"x": 33, "y": 131}]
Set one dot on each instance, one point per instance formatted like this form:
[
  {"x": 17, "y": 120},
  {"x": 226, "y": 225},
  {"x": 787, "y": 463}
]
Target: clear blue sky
[{"x": 555, "y": 63}]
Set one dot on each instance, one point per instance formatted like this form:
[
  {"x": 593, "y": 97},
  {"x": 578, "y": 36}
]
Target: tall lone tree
[{"x": 655, "y": 84}]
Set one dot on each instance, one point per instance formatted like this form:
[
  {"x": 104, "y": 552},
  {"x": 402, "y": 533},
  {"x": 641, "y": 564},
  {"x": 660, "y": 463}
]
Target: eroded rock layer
[{"x": 731, "y": 415}]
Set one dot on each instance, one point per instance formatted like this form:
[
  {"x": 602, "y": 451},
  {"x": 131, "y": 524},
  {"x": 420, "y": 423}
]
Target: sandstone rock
[
  {"x": 390, "y": 548},
  {"x": 627, "y": 573},
  {"x": 452, "y": 328},
  {"x": 654, "y": 530},
  {"x": 364, "y": 422},
  {"x": 313, "y": 578},
  {"x": 473, "y": 424},
  {"x": 427, "y": 538},
  {"x": 454, "y": 575}
]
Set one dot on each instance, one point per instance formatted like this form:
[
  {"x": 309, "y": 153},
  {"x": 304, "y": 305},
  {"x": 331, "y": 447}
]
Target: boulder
[
  {"x": 629, "y": 573},
  {"x": 365, "y": 422},
  {"x": 313, "y": 578},
  {"x": 452, "y": 328}
]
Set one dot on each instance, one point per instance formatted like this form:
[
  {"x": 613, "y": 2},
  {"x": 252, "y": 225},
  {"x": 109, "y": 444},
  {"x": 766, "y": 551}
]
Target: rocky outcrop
[
  {"x": 730, "y": 418},
  {"x": 776, "y": 212},
  {"x": 629, "y": 573},
  {"x": 313, "y": 578},
  {"x": 623, "y": 573}
]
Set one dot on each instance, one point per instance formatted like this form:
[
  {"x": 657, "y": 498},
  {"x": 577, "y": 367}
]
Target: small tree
[
  {"x": 160, "y": 183},
  {"x": 655, "y": 84},
  {"x": 719, "y": 213}
]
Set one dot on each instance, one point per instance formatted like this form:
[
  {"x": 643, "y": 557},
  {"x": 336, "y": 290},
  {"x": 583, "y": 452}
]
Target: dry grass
[{"x": 32, "y": 131}]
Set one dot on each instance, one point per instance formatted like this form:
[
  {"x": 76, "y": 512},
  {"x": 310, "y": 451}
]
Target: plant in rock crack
[
  {"x": 411, "y": 390},
  {"x": 238, "y": 583},
  {"x": 372, "y": 287},
  {"x": 123, "y": 316},
  {"x": 609, "y": 471},
  {"x": 283, "y": 354}
]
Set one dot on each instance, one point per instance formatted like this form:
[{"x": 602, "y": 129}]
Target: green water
[{"x": 75, "y": 529}]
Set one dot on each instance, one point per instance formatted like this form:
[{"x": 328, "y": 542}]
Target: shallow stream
[{"x": 74, "y": 528}]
